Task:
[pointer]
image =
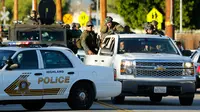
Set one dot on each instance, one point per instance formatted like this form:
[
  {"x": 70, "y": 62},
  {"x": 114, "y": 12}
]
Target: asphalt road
[{"x": 132, "y": 104}]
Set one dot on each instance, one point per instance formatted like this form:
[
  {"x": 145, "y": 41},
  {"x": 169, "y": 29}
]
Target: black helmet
[
  {"x": 154, "y": 22},
  {"x": 73, "y": 25},
  {"x": 89, "y": 23},
  {"x": 108, "y": 19},
  {"x": 149, "y": 27},
  {"x": 78, "y": 25}
]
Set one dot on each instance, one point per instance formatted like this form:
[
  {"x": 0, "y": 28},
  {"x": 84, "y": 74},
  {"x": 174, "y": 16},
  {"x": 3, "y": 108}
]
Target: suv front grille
[
  {"x": 168, "y": 69},
  {"x": 153, "y": 73},
  {"x": 174, "y": 64}
]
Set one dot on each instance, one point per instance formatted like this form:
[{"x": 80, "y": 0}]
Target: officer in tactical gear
[
  {"x": 89, "y": 40},
  {"x": 75, "y": 32},
  {"x": 128, "y": 30},
  {"x": 33, "y": 19},
  {"x": 155, "y": 28},
  {"x": 110, "y": 27},
  {"x": 149, "y": 29}
]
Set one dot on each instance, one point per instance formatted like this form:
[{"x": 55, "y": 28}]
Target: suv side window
[
  {"x": 55, "y": 59},
  {"x": 26, "y": 60}
]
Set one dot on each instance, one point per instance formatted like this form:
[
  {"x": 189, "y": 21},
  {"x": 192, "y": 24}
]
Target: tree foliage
[
  {"x": 135, "y": 11},
  {"x": 111, "y": 7}
]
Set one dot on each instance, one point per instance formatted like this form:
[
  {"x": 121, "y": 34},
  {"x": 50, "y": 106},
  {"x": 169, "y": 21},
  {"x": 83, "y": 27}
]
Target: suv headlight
[
  {"x": 127, "y": 67},
  {"x": 188, "y": 65},
  {"x": 189, "y": 68}
]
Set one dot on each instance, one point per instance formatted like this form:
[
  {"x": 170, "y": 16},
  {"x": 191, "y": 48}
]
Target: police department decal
[{"x": 23, "y": 86}]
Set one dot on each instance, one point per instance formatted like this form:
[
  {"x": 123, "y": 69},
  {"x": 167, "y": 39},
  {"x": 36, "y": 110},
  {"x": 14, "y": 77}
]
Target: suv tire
[
  {"x": 155, "y": 98},
  {"x": 118, "y": 99},
  {"x": 33, "y": 105},
  {"x": 186, "y": 100}
]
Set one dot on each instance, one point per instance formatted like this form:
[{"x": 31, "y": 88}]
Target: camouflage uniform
[
  {"x": 88, "y": 41},
  {"x": 115, "y": 28}
]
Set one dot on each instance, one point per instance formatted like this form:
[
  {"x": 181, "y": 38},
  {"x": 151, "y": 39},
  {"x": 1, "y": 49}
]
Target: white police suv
[{"x": 34, "y": 76}]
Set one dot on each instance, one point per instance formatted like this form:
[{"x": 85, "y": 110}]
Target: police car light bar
[{"x": 32, "y": 44}]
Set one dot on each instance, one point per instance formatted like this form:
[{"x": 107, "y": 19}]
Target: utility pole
[
  {"x": 34, "y": 5},
  {"x": 103, "y": 11},
  {"x": 97, "y": 16},
  {"x": 181, "y": 16},
  {"x": 16, "y": 11},
  {"x": 90, "y": 12},
  {"x": 2, "y": 4},
  {"x": 58, "y": 11},
  {"x": 169, "y": 20}
]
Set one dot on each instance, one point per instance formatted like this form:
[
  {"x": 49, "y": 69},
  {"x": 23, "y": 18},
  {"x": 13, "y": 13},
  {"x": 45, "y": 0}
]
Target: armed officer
[
  {"x": 155, "y": 28},
  {"x": 89, "y": 40},
  {"x": 110, "y": 27}
]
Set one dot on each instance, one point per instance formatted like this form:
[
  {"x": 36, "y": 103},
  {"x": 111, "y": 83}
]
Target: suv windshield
[
  {"x": 4, "y": 55},
  {"x": 146, "y": 45}
]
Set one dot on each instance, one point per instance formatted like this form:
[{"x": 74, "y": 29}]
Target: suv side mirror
[
  {"x": 186, "y": 53},
  {"x": 106, "y": 51}
]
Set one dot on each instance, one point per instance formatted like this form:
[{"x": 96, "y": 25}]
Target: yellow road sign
[
  {"x": 67, "y": 18},
  {"x": 83, "y": 19},
  {"x": 154, "y": 14}
]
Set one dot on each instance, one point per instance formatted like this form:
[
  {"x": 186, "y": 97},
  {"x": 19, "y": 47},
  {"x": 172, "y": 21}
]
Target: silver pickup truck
[{"x": 147, "y": 65}]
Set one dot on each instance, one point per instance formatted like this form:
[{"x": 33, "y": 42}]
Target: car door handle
[
  {"x": 37, "y": 74},
  {"x": 102, "y": 60},
  {"x": 95, "y": 60},
  {"x": 70, "y": 73}
]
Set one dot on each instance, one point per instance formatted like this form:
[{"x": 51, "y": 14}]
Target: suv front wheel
[
  {"x": 155, "y": 98},
  {"x": 186, "y": 99},
  {"x": 33, "y": 105},
  {"x": 118, "y": 99}
]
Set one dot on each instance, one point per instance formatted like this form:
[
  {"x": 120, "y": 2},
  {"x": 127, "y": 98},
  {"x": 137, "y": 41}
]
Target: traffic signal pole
[
  {"x": 58, "y": 11},
  {"x": 90, "y": 12},
  {"x": 103, "y": 11},
  {"x": 169, "y": 20}
]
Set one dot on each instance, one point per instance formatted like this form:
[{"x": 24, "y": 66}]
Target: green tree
[
  {"x": 195, "y": 15},
  {"x": 111, "y": 7},
  {"x": 135, "y": 12}
]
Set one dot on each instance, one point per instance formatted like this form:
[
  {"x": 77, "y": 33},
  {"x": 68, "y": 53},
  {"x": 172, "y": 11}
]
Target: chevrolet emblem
[{"x": 159, "y": 68}]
